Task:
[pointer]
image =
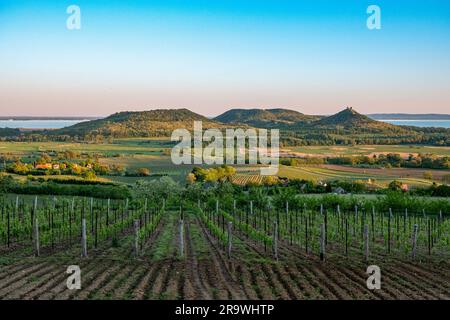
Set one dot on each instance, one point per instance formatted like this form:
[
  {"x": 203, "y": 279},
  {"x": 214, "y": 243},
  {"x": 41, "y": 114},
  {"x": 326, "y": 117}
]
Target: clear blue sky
[{"x": 211, "y": 55}]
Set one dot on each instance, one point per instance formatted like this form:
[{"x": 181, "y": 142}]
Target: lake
[
  {"x": 38, "y": 124},
  {"x": 420, "y": 123},
  {"x": 57, "y": 124}
]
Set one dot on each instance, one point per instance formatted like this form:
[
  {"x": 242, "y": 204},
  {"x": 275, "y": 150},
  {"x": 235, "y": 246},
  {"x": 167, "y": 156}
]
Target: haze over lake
[
  {"x": 38, "y": 124},
  {"x": 420, "y": 123},
  {"x": 61, "y": 123}
]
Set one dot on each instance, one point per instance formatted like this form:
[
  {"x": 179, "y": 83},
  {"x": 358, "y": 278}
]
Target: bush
[{"x": 50, "y": 188}]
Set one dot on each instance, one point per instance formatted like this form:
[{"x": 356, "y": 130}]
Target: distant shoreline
[
  {"x": 409, "y": 116},
  {"x": 36, "y": 118}
]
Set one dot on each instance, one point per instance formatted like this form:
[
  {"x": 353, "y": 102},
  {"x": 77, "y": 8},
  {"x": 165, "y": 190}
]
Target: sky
[{"x": 312, "y": 56}]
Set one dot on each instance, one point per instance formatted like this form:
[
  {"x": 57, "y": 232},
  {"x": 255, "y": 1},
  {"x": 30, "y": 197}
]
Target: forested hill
[
  {"x": 345, "y": 127},
  {"x": 264, "y": 118},
  {"x": 153, "y": 123},
  {"x": 351, "y": 119}
]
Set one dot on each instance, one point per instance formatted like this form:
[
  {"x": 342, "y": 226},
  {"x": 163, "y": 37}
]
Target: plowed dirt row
[{"x": 205, "y": 272}]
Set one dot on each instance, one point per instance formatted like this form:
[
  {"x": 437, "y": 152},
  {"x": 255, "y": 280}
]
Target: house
[
  {"x": 404, "y": 187},
  {"x": 339, "y": 190},
  {"x": 43, "y": 166},
  {"x": 56, "y": 166}
]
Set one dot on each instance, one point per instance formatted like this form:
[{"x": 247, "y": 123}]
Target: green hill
[
  {"x": 159, "y": 122},
  {"x": 343, "y": 128},
  {"x": 264, "y": 118},
  {"x": 351, "y": 119}
]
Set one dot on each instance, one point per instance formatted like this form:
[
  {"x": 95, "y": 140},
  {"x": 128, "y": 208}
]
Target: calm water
[
  {"x": 38, "y": 124},
  {"x": 420, "y": 123}
]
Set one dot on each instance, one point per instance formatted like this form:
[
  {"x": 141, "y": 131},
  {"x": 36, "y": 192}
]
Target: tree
[
  {"x": 395, "y": 185},
  {"x": 190, "y": 178},
  {"x": 143, "y": 172},
  {"x": 89, "y": 175},
  {"x": 162, "y": 188},
  {"x": 6, "y": 182},
  {"x": 44, "y": 158}
]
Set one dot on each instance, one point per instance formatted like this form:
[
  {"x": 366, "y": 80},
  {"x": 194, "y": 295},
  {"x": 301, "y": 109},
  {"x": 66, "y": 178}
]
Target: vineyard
[{"x": 219, "y": 248}]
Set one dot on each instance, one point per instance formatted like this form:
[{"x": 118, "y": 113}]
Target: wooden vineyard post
[
  {"x": 340, "y": 221},
  {"x": 275, "y": 241},
  {"x": 397, "y": 228},
  {"x": 372, "y": 223},
  {"x": 198, "y": 203},
  {"x": 136, "y": 238},
  {"x": 70, "y": 222},
  {"x": 17, "y": 203},
  {"x": 405, "y": 218},
  {"x": 322, "y": 242},
  {"x": 145, "y": 205},
  {"x": 126, "y": 210},
  {"x": 164, "y": 205},
  {"x": 230, "y": 240},
  {"x": 107, "y": 212},
  {"x": 346, "y": 236},
  {"x": 96, "y": 229},
  {"x": 36, "y": 236},
  {"x": 286, "y": 224},
  {"x": 251, "y": 207},
  {"x": 389, "y": 231},
  {"x": 34, "y": 215},
  {"x": 217, "y": 207},
  {"x": 8, "y": 218},
  {"x": 83, "y": 238},
  {"x": 181, "y": 232},
  {"x": 306, "y": 233},
  {"x": 429, "y": 235},
  {"x": 354, "y": 221},
  {"x": 325, "y": 219},
  {"x": 366, "y": 241},
  {"x": 414, "y": 241},
  {"x": 91, "y": 212},
  {"x": 234, "y": 208}
]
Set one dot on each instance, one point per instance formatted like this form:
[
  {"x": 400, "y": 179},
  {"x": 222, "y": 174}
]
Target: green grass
[{"x": 164, "y": 244}]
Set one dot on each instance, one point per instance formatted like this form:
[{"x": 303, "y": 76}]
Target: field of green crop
[
  {"x": 324, "y": 174},
  {"x": 125, "y": 146}
]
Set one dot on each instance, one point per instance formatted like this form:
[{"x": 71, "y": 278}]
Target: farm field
[
  {"x": 381, "y": 177},
  {"x": 368, "y": 150},
  {"x": 202, "y": 267},
  {"x": 154, "y": 154},
  {"x": 123, "y": 146}
]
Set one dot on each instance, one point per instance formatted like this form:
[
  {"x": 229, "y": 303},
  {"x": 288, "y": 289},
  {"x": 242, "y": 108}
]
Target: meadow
[{"x": 154, "y": 154}]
